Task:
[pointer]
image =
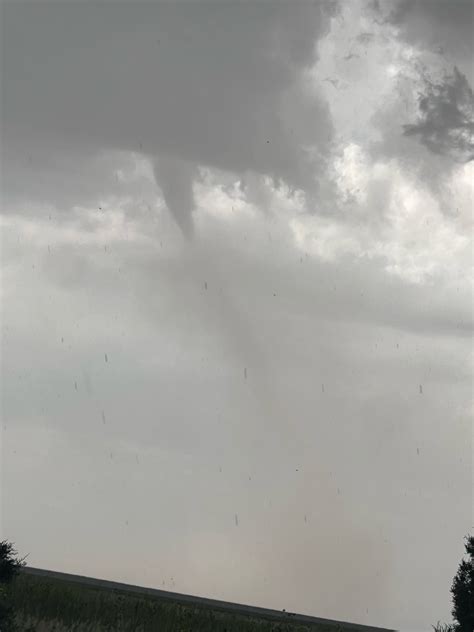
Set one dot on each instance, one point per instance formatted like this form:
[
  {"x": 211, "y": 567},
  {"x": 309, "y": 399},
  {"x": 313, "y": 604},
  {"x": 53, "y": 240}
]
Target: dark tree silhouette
[
  {"x": 462, "y": 590},
  {"x": 10, "y": 566}
]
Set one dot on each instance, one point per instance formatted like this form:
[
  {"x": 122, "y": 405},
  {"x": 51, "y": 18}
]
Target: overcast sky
[{"x": 237, "y": 298}]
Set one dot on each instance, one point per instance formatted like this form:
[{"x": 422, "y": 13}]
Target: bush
[
  {"x": 10, "y": 566},
  {"x": 462, "y": 590}
]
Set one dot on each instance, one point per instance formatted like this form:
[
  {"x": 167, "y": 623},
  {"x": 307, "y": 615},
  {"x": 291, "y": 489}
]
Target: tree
[
  {"x": 10, "y": 566},
  {"x": 462, "y": 590}
]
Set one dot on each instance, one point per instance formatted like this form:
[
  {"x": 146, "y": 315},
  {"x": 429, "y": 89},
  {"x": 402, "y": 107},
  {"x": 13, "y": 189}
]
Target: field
[{"x": 46, "y": 604}]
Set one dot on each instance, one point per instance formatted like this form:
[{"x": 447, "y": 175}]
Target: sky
[{"x": 237, "y": 298}]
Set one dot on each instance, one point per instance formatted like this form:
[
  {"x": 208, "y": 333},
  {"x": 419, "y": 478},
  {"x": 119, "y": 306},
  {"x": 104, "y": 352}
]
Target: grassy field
[{"x": 45, "y": 604}]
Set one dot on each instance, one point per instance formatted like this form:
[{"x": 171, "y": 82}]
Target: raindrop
[
  {"x": 274, "y": 294},
  {"x": 137, "y": 458},
  {"x": 106, "y": 358},
  {"x": 62, "y": 340},
  {"x": 220, "y": 469},
  {"x": 236, "y": 520},
  {"x": 245, "y": 373},
  {"x": 105, "y": 248},
  {"x": 49, "y": 249},
  {"x": 322, "y": 388},
  {"x": 75, "y": 385},
  {"x": 305, "y": 519},
  {"x": 421, "y": 389},
  {"x": 205, "y": 285},
  {"x": 338, "y": 490},
  {"x": 103, "y": 417},
  {"x": 418, "y": 451}
]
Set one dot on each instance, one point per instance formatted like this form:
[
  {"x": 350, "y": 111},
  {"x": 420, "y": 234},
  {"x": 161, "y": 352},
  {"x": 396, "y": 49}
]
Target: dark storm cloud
[
  {"x": 446, "y": 123},
  {"x": 216, "y": 84},
  {"x": 442, "y": 26},
  {"x": 450, "y": 13}
]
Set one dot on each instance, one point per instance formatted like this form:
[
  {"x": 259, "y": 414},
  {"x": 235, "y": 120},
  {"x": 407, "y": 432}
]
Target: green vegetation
[
  {"x": 45, "y": 604},
  {"x": 10, "y": 566},
  {"x": 462, "y": 591}
]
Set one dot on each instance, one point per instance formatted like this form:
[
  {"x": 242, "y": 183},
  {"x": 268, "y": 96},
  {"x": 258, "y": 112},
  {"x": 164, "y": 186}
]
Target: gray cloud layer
[
  {"x": 216, "y": 84},
  {"x": 334, "y": 357},
  {"x": 435, "y": 23}
]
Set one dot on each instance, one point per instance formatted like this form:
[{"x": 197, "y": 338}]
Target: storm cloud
[
  {"x": 446, "y": 118},
  {"x": 277, "y": 408},
  {"x": 213, "y": 84}
]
